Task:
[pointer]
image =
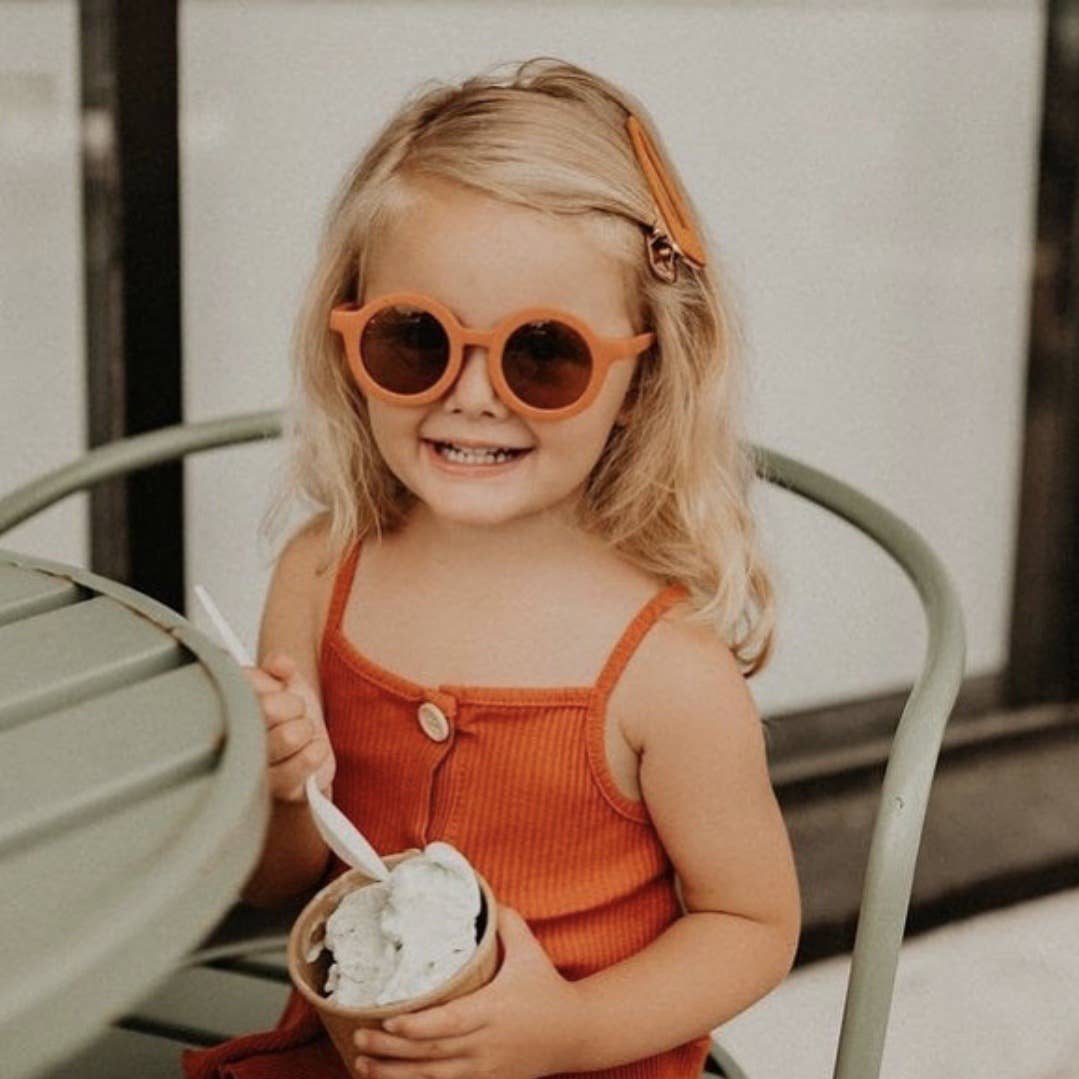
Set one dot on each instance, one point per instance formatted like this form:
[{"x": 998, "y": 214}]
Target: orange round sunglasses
[{"x": 408, "y": 349}]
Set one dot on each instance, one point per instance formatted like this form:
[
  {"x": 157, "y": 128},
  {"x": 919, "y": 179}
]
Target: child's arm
[
  {"x": 704, "y": 779},
  {"x": 294, "y": 856}
]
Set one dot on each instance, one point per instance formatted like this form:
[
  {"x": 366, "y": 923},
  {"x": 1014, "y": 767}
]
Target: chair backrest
[{"x": 915, "y": 747}]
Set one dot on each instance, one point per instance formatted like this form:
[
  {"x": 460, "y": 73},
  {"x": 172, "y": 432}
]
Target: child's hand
[
  {"x": 297, "y": 743},
  {"x": 522, "y": 1024}
]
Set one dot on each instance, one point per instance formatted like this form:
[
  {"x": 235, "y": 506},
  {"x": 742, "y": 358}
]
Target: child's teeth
[{"x": 472, "y": 456}]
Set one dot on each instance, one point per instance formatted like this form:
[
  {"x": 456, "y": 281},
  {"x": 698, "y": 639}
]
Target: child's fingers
[
  {"x": 280, "y": 665},
  {"x": 377, "y": 1043},
  {"x": 297, "y": 743},
  {"x": 303, "y": 689},
  {"x": 260, "y": 681},
  {"x": 281, "y": 707},
  {"x": 288, "y": 778},
  {"x": 284, "y": 668},
  {"x": 288, "y": 738}
]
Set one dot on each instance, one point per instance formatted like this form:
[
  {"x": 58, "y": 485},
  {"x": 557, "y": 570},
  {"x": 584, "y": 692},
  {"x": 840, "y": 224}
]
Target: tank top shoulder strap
[
  {"x": 341, "y": 586},
  {"x": 634, "y": 633}
]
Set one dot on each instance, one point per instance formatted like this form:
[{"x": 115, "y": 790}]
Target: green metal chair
[{"x": 251, "y": 943}]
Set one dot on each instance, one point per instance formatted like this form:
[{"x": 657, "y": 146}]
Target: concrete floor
[{"x": 995, "y": 995}]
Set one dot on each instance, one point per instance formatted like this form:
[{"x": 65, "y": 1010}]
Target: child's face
[{"x": 486, "y": 259}]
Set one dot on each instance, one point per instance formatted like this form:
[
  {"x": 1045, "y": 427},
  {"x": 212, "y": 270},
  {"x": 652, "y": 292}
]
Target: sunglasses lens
[
  {"x": 547, "y": 364},
  {"x": 405, "y": 349}
]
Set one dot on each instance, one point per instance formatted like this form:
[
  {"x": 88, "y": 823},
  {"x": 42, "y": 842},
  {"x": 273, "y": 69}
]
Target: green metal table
[{"x": 132, "y": 802}]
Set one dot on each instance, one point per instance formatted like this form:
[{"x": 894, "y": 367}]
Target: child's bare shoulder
[
  {"x": 306, "y": 550},
  {"x": 299, "y": 593},
  {"x": 684, "y": 675}
]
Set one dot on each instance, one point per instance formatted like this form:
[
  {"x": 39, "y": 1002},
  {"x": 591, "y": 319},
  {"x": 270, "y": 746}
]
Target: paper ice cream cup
[{"x": 341, "y": 1022}]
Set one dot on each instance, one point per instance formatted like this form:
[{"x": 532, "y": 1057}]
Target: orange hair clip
[{"x": 677, "y": 235}]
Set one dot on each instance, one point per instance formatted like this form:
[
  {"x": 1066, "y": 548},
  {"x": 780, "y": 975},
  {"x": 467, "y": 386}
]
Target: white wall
[
  {"x": 865, "y": 170},
  {"x": 42, "y": 349}
]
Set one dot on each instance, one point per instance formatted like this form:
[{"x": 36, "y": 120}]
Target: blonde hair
[{"x": 670, "y": 490}]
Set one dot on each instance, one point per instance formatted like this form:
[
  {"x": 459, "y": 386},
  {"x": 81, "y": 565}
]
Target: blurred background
[{"x": 891, "y": 190}]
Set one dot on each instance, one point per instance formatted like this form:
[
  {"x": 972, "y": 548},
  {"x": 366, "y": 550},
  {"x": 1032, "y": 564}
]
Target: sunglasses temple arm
[{"x": 639, "y": 343}]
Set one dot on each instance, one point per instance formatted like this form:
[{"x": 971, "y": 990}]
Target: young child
[{"x": 523, "y": 619}]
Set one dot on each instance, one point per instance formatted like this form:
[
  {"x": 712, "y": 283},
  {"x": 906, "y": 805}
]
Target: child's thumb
[{"x": 514, "y": 932}]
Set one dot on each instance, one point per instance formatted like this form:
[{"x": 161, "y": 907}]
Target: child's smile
[
  {"x": 469, "y": 456},
  {"x": 465, "y": 459}
]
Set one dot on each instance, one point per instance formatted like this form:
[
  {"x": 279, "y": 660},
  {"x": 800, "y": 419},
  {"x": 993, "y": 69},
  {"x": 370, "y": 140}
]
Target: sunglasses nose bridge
[{"x": 482, "y": 338}]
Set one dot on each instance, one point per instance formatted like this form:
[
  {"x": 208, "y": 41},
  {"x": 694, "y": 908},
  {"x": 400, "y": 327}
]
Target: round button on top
[{"x": 433, "y": 721}]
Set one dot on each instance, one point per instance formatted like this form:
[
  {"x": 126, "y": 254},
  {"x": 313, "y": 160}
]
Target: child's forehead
[{"x": 484, "y": 257}]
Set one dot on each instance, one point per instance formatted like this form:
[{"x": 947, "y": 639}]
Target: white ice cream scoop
[
  {"x": 340, "y": 834},
  {"x": 400, "y": 939}
]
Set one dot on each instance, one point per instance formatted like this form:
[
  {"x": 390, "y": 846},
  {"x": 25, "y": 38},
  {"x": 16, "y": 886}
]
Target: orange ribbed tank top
[{"x": 516, "y": 778}]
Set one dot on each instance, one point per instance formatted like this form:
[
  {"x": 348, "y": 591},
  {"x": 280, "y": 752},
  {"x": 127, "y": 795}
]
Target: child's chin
[
  {"x": 466, "y": 511},
  {"x": 486, "y": 520}
]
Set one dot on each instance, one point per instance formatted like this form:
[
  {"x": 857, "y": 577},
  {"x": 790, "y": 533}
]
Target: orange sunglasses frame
[{"x": 350, "y": 319}]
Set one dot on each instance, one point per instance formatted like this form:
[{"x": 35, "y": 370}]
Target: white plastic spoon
[{"x": 340, "y": 834}]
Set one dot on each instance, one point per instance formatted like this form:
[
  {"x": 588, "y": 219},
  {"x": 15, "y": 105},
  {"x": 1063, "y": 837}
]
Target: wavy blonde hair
[{"x": 671, "y": 489}]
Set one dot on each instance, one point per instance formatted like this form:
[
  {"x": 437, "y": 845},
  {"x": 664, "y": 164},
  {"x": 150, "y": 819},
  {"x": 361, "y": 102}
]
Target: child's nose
[{"x": 473, "y": 392}]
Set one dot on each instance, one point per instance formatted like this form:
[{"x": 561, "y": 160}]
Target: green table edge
[{"x": 44, "y": 1021}]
